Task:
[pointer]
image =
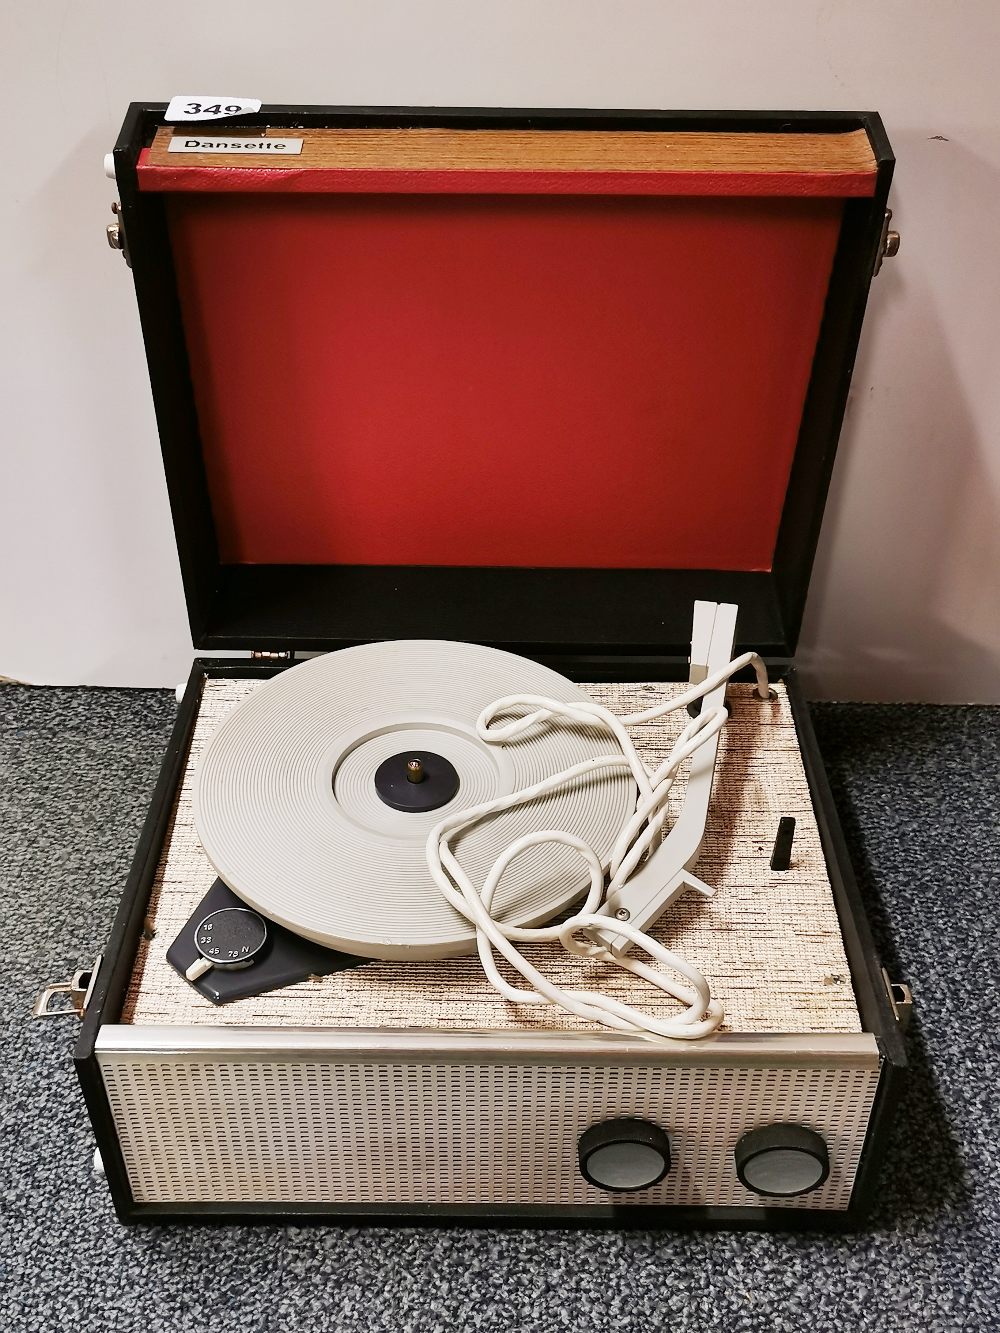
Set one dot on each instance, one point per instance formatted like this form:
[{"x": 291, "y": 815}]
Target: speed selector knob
[
  {"x": 624, "y": 1154},
  {"x": 782, "y": 1160}
]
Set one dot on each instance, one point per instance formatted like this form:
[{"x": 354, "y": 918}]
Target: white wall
[{"x": 904, "y": 598}]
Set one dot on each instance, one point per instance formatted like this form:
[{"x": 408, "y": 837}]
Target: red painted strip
[
  {"x": 680, "y": 184},
  {"x": 415, "y": 379}
]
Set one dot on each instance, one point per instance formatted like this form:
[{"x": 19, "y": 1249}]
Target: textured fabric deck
[
  {"x": 918, "y": 791},
  {"x": 768, "y": 942}
]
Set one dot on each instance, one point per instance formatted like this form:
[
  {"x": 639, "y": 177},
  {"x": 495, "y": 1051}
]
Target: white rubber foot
[
  {"x": 179, "y": 692},
  {"x": 98, "y": 1162}
]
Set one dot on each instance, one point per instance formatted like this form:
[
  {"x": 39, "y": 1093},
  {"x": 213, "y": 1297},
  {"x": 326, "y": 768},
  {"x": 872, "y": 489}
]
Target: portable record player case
[{"x": 358, "y": 357}]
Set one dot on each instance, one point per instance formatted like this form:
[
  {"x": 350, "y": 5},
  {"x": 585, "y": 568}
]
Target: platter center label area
[{"x": 371, "y": 788}]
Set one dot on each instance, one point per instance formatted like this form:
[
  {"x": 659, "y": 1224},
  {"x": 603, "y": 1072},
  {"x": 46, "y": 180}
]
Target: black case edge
[
  {"x": 779, "y": 601},
  {"x": 240, "y": 607},
  {"x": 112, "y": 984}
]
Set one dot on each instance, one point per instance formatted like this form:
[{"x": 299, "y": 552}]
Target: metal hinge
[
  {"x": 78, "y": 990},
  {"x": 888, "y": 245},
  {"x": 264, "y": 655},
  {"x": 901, "y": 999},
  {"x": 116, "y": 233}
]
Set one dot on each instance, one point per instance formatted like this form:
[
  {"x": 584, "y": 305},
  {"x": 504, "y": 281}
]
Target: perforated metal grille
[{"x": 294, "y": 1130}]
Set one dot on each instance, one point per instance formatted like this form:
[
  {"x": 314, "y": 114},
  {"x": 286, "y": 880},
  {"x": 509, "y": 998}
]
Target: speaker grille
[{"x": 302, "y": 1130}]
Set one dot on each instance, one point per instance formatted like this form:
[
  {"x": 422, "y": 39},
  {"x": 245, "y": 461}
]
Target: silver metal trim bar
[{"x": 835, "y": 1049}]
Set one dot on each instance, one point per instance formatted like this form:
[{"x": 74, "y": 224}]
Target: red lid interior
[
  {"x": 503, "y": 381},
  {"x": 488, "y": 376}
]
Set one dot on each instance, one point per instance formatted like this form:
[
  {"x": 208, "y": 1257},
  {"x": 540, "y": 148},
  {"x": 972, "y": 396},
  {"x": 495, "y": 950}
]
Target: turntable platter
[{"x": 291, "y": 816}]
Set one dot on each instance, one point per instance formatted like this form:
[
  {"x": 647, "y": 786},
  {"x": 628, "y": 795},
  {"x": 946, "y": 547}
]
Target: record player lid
[{"x": 532, "y": 379}]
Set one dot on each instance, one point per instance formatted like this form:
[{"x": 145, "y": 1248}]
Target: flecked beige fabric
[{"x": 769, "y": 943}]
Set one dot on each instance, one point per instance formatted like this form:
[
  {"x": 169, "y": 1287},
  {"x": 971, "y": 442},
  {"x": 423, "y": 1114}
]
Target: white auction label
[
  {"x": 192, "y": 106},
  {"x": 200, "y": 143}
]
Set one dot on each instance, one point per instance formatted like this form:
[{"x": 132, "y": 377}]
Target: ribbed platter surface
[{"x": 286, "y": 807}]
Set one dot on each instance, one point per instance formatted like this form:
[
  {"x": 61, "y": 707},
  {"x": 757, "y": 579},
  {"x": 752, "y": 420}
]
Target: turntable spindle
[{"x": 415, "y": 781}]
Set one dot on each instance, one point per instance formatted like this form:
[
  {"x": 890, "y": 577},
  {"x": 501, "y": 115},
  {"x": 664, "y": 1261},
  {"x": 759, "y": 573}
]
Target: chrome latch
[
  {"x": 900, "y": 998},
  {"x": 263, "y": 655},
  {"x": 888, "y": 245},
  {"x": 78, "y": 991},
  {"x": 116, "y": 233}
]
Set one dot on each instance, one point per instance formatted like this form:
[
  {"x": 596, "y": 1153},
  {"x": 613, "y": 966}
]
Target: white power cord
[{"x": 703, "y": 1014}]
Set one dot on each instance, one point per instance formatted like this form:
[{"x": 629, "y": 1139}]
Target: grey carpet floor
[{"x": 918, "y": 792}]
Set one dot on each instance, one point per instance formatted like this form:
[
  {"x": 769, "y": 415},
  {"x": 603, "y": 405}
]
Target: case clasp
[
  {"x": 900, "y": 998},
  {"x": 116, "y": 233},
  {"x": 78, "y": 991},
  {"x": 888, "y": 246}
]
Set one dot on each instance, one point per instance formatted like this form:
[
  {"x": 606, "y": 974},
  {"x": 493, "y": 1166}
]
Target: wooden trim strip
[
  {"x": 412, "y": 161},
  {"x": 247, "y": 180}
]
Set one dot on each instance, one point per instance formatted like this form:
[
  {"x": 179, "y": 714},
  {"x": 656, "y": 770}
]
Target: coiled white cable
[{"x": 702, "y": 1014}]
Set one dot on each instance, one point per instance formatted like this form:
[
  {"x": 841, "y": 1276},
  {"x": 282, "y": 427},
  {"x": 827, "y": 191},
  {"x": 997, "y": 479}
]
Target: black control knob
[
  {"x": 624, "y": 1155},
  {"x": 230, "y": 938},
  {"x": 782, "y": 1160}
]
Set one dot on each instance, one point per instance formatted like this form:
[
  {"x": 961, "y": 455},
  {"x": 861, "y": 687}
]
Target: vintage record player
[{"x": 459, "y": 404}]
